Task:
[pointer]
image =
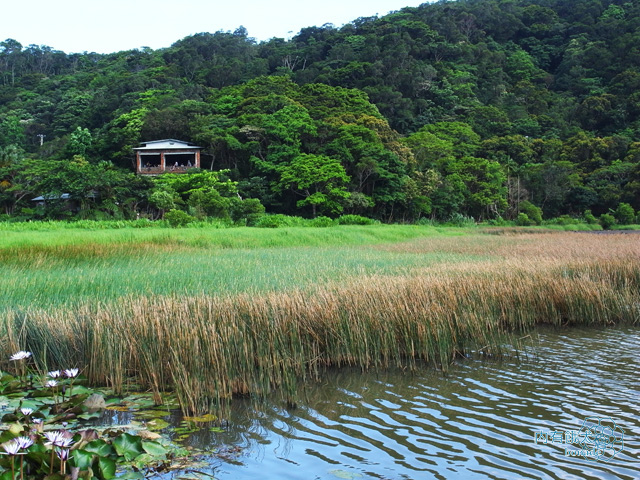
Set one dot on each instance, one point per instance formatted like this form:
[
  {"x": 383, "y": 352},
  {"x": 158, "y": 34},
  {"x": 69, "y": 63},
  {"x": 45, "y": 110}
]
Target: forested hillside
[{"x": 481, "y": 108}]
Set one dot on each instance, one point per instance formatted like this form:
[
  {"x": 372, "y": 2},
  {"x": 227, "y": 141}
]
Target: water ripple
[{"x": 476, "y": 422}]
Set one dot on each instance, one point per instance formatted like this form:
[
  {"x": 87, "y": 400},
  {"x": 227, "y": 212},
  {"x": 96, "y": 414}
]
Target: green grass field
[{"x": 70, "y": 266}]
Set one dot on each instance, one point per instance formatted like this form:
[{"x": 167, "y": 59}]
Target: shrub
[
  {"x": 426, "y": 222},
  {"x": 607, "y": 221},
  {"x": 162, "y": 200},
  {"x": 355, "y": 220},
  {"x": 459, "y": 220},
  {"x": 323, "y": 222},
  {"x": 564, "y": 220},
  {"x": 278, "y": 220},
  {"x": 624, "y": 214},
  {"x": 523, "y": 220},
  {"x": 534, "y": 213},
  {"x": 247, "y": 212},
  {"x": 178, "y": 218},
  {"x": 269, "y": 221},
  {"x": 210, "y": 203},
  {"x": 498, "y": 222},
  {"x": 590, "y": 218}
]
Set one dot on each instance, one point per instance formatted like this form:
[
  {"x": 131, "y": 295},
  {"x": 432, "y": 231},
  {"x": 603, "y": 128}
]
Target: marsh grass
[
  {"x": 53, "y": 275},
  {"x": 426, "y": 299}
]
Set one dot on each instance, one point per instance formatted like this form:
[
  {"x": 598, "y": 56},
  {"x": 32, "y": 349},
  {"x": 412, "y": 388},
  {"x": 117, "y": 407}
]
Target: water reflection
[{"x": 477, "y": 421}]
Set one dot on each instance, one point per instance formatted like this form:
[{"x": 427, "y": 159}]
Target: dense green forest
[{"x": 482, "y": 108}]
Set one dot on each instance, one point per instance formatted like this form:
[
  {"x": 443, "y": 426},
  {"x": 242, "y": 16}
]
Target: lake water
[{"x": 508, "y": 419}]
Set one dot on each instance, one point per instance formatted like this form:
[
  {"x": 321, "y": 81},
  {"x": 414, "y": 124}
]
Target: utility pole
[{"x": 41, "y": 138}]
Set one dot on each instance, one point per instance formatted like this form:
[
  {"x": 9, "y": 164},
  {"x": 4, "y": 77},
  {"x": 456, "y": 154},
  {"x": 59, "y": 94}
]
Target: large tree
[{"x": 320, "y": 181}]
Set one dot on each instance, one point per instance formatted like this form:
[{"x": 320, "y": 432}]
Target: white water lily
[
  {"x": 59, "y": 438},
  {"x": 51, "y": 384},
  {"x": 72, "y": 372},
  {"x": 21, "y": 355},
  {"x": 24, "y": 442},
  {"x": 12, "y": 447},
  {"x": 65, "y": 442},
  {"x": 53, "y": 437},
  {"x": 63, "y": 453},
  {"x": 54, "y": 374},
  {"x": 26, "y": 411}
]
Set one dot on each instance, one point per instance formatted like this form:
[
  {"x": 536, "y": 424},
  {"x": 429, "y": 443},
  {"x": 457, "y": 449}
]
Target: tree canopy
[{"x": 466, "y": 107}]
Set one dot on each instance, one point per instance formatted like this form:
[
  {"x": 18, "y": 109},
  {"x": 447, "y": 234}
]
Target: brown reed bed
[{"x": 208, "y": 348}]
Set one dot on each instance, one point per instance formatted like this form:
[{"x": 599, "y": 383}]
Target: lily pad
[
  {"x": 152, "y": 413},
  {"x": 118, "y": 408},
  {"x": 202, "y": 419},
  {"x": 128, "y": 446},
  {"x": 89, "y": 416},
  {"x": 157, "y": 424},
  {"x": 138, "y": 401},
  {"x": 154, "y": 448}
]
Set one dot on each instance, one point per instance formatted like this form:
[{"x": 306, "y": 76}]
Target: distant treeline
[{"x": 480, "y": 108}]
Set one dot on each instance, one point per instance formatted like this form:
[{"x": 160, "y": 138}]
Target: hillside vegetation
[{"x": 490, "y": 109}]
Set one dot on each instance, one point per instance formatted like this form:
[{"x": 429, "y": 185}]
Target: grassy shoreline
[
  {"x": 400, "y": 295},
  {"x": 237, "y": 237}
]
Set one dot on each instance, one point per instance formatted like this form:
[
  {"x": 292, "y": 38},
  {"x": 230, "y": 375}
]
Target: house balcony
[{"x": 158, "y": 169}]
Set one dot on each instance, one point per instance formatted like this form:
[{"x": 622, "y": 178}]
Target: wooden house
[{"x": 169, "y": 155}]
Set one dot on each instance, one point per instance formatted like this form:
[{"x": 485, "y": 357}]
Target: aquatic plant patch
[{"x": 44, "y": 431}]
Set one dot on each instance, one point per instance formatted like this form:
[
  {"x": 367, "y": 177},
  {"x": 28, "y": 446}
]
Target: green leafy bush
[
  {"x": 523, "y": 220},
  {"x": 354, "y": 220},
  {"x": 607, "y": 221},
  {"x": 459, "y": 220},
  {"x": 624, "y": 214},
  {"x": 426, "y": 221},
  {"x": 247, "y": 212},
  {"x": 178, "y": 218},
  {"x": 590, "y": 218},
  {"x": 533, "y": 213},
  {"x": 279, "y": 220},
  {"x": 323, "y": 222},
  {"x": 563, "y": 220}
]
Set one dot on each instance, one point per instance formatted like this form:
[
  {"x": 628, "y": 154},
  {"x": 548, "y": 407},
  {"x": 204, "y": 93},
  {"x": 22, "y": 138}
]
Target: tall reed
[{"x": 208, "y": 348}]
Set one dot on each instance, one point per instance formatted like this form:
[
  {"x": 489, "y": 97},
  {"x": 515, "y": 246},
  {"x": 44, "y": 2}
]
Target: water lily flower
[
  {"x": 53, "y": 437},
  {"x": 59, "y": 438},
  {"x": 72, "y": 372},
  {"x": 21, "y": 355},
  {"x": 63, "y": 453},
  {"x": 26, "y": 411},
  {"x": 51, "y": 383},
  {"x": 65, "y": 442},
  {"x": 11, "y": 447},
  {"x": 54, "y": 374},
  {"x": 36, "y": 420},
  {"x": 24, "y": 442}
]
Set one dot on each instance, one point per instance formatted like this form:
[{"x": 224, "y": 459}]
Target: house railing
[{"x": 170, "y": 168}]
